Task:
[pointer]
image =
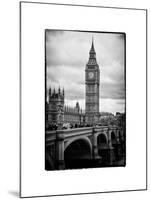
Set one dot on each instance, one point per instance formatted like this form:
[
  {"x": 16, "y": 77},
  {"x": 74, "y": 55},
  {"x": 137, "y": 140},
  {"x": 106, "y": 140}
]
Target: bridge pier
[
  {"x": 60, "y": 150},
  {"x": 110, "y": 149},
  {"x": 111, "y": 155},
  {"x": 95, "y": 154}
]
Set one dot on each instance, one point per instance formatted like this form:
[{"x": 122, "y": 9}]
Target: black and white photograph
[{"x": 85, "y": 99}]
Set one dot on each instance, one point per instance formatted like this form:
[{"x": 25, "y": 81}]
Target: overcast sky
[{"x": 67, "y": 53}]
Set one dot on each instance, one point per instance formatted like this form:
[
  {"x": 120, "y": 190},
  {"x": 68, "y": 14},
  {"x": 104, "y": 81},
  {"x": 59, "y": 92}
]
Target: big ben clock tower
[{"x": 92, "y": 81}]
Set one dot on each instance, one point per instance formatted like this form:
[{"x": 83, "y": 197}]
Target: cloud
[
  {"x": 112, "y": 91},
  {"x": 65, "y": 49},
  {"x": 69, "y": 78},
  {"x": 112, "y": 105}
]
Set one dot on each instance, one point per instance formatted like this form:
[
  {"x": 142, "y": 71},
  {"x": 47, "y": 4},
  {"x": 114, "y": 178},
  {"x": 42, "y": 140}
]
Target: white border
[{"x": 35, "y": 181}]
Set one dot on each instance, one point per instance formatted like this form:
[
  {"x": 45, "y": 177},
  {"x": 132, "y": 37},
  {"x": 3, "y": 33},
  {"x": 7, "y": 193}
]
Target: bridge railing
[
  {"x": 75, "y": 132},
  {"x": 101, "y": 128},
  {"x": 67, "y": 133}
]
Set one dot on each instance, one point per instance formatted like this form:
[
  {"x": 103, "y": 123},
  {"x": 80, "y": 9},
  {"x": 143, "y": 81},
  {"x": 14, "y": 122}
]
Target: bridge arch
[
  {"x": 77, "y": 153},
  {"x": 84, "y": 138},
  {"x": 102, "y": 138}
]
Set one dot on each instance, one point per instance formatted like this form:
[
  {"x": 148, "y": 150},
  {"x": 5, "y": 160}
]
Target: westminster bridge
[{"x": 84, "y": 147}]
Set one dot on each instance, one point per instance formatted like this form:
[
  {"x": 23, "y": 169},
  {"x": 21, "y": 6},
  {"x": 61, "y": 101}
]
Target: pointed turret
[
  {"x": 77, "y": 107},
  {"x": 63, "y": 91},
  {"x": 50, "y": 91},
  {"x": 59, "y": 89}
]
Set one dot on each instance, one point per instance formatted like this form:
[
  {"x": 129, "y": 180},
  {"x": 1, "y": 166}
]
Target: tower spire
[
  {"x": 92, "y": 54},
  {"x": 92, "y": 50},
  {"x": 92, "y": 43}
]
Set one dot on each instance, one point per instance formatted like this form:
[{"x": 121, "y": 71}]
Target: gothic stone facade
[
  {"x": 57, "y": 113},
  {"x": 73, "y": 115},
  {"x": 55, "y": 108}
]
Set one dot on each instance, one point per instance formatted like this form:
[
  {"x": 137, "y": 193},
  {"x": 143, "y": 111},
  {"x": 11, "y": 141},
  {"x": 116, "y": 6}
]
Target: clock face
[{"x": 91, "y": 74}]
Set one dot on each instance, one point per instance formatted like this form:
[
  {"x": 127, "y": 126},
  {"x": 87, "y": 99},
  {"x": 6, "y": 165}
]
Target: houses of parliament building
[{"x": 58, "y": 113}]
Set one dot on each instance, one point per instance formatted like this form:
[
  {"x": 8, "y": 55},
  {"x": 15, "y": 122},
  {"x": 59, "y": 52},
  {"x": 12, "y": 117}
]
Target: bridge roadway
[{"x": 89, "y": 142}]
